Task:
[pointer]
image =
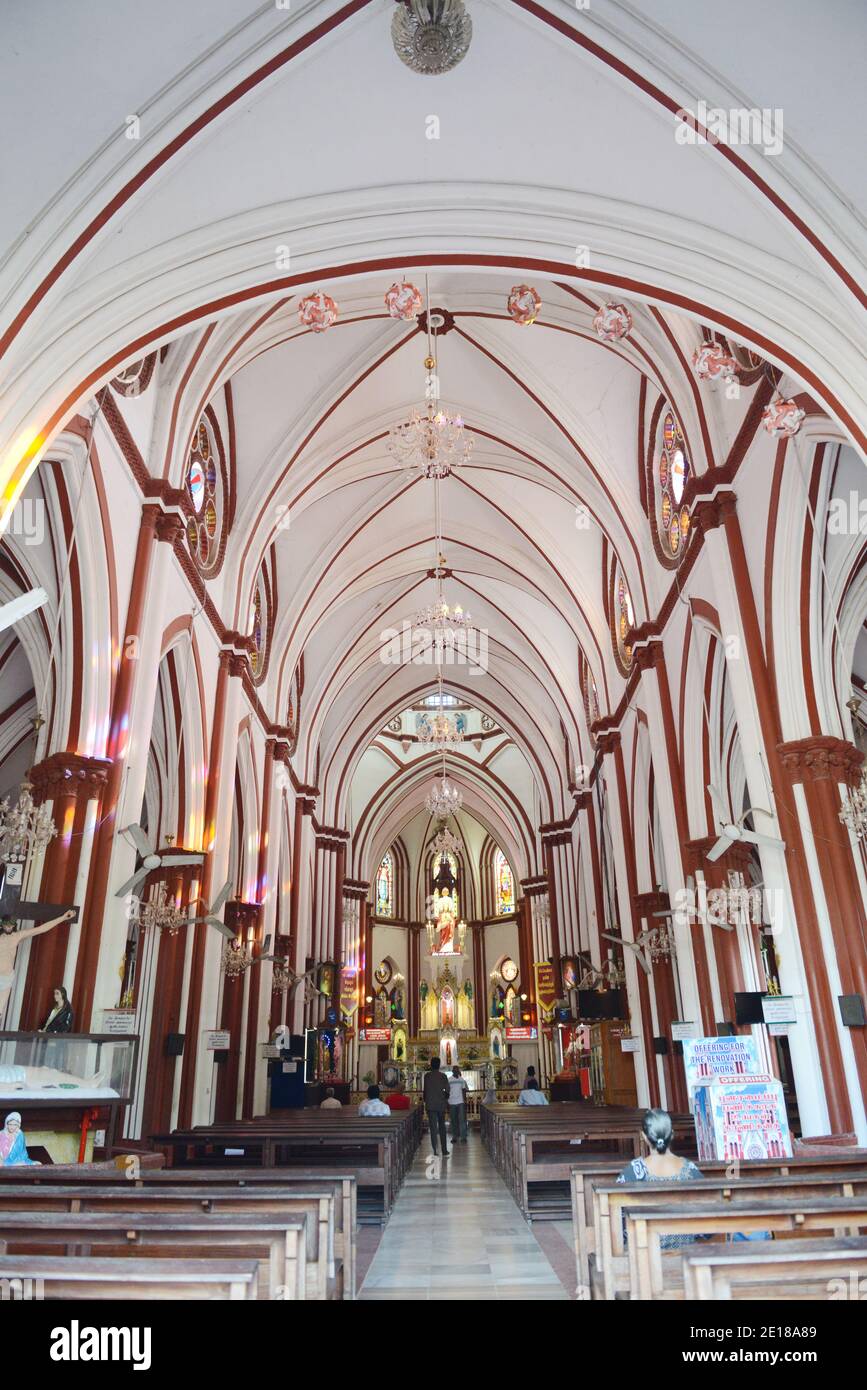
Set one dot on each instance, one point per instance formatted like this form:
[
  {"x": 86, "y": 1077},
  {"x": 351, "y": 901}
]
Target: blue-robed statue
[{"x": 13, "y": 1150}]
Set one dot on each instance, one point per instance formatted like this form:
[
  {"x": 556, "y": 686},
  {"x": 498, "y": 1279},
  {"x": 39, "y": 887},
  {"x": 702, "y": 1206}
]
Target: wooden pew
[
  {"x": 277, "y": 1243},
  {"x": 131, "y": 1280},
  {"x": 378, "y": 1149},
  {"x": 654, "y": 1274},
  {"x": 777, "y": 1269},
  {"x": 584, "y": 1176},
  {"x": 220, "y": 1187},
  {"x": 323, "y": 1277},
  {"x": 610, "y": 1265},
  {"x": 535, "y": 1149}
]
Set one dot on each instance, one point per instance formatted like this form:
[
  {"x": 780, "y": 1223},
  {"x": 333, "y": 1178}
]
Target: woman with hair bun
[{"x": 661, "y": 1165}]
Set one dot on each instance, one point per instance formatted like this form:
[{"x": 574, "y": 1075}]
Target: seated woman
[
  {"x": 661, "y": 1165},
  {"x": 13, "y": 1150}
]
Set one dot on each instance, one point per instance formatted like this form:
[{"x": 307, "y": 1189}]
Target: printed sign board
[{"x": 738, "y": 1117}]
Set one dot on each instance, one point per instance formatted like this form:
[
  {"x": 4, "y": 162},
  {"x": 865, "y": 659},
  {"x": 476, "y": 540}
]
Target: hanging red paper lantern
[
  {"x": 712, "y": 363},
  {"x": 524, "y": 304},
  {"x": 782, "y": 419},
  {"x": 317, "y": 312},
  {"x": 613, "y": 322},
  {"x": 403, "y": 300}
]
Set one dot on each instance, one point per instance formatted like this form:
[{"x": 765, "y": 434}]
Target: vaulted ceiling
[{"x": 234, "y": 156}]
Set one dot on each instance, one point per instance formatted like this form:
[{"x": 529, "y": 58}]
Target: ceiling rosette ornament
[
  {"x": 612, "y": 322},
  {"x": 403, "y": 300},
  {"x": 711, "y": 362},
  {"x": 431, "y": 36},
  {"x": 782, "y": 419},
  {"x": 318, "y": 311},
  {"x": 524, "y": 304}
]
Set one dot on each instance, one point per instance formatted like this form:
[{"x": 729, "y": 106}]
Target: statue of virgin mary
[{"x": 13, "y": 1150}]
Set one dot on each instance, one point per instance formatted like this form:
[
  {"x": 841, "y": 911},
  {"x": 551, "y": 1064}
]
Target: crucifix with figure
[{"x": 12, "y": 911}]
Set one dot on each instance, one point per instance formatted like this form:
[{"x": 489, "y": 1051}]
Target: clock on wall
[
  {"x": 383, "y": 972},
  {"x": 509, "y": 971}
]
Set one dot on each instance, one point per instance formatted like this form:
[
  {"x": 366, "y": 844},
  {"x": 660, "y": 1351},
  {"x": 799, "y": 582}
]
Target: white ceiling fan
[
  {"x": 693, "y": 908},
  {"x": 18, "y": 608},
  {"x": 217, "y": 905},
  {"x": 730, "y": 832},
  {"x": 152, "y": 859},
  {"x": 636, "y": 946}
]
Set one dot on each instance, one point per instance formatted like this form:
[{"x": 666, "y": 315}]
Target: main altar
[{"x": 447, "y": 1015}]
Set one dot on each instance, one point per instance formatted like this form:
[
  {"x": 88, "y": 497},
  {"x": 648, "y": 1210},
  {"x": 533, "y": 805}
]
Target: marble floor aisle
[{"x": 459, "y": 1237}]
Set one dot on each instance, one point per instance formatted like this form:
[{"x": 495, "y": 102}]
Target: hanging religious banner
[
  {"x": 546, "y": 986},
  {"x": 348, "y": 990}
]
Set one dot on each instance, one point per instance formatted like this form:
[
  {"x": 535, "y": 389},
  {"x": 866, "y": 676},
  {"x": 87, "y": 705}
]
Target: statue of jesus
[{"x": 10, "y": 939}]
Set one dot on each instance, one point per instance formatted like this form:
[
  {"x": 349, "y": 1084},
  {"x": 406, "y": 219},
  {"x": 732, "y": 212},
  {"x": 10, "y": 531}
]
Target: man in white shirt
[
  {"x": 373, "y": 1105},
  {"x": 458, "y": 1105},
  {"x": 330, "y": 1102},
  {"x": 531, "y": 1095}
]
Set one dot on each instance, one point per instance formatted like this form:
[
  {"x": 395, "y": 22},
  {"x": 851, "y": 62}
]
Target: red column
[
  {"x": 70, "y": 781},
  {"x": 95, "y": 901},
  {"x": 709, "y": 514},
  {"x": 819, "y": 764}
]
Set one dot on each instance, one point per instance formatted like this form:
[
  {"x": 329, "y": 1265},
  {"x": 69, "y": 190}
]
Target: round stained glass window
[
  {"x": 204, "y": 441},
  {"x": 192, "y": 535},
  {"x": 203, "y": 545},
  {"x": 672, "y": 472},
  {"x": 196, "y": 484},
  {"x": 211, "y": 519}
]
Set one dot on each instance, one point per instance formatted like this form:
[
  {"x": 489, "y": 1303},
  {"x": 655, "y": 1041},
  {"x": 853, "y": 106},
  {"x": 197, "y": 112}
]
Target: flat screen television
[{"x": 748, "y": 1008}]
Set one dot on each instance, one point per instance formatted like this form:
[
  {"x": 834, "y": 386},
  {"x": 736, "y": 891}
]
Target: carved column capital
[
  {"x": 69, "y": 774},
  {"x": 169, "y": 527},
  {"x": 822, "y": 757},
  {"x": 646, "y": 904},
  {"x": 710, "y": 512}
]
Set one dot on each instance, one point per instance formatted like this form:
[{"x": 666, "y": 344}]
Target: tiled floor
[{"x": 459, "y": 1237}]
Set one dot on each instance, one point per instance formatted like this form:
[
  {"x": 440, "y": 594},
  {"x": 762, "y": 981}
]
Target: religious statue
[
  {"x": 10, "y": 939},
  {"x": 60, "y": 1018},
  {"x": 13, "y": 1149}
]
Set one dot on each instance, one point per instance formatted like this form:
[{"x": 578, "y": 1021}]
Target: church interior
[{"x": 433, "y": 652}]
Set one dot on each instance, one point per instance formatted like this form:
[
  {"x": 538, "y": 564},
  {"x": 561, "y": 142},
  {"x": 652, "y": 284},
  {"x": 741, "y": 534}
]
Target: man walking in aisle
[
  {"x": 436, "y": 1095},
  {"x": 458, "y": 1105}
]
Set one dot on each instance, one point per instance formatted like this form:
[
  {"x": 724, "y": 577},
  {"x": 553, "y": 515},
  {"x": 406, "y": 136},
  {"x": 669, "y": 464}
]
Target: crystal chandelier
[
  {"x": 282, "y": 976},
  {"x": 444, "y": 798},
  {"x": 236, "y": 959},
  {"x": 439, "y": 730},
  {"x": 659, "y": 943},
  {"x": 431, "y": 440},
  {"x": 431, "y": 36},
  {"x": 853, "y": 813},
  {"x": 162, "y": 913},
  {"x": 27, "y": 828},
  {"x": 446, "y": 843}
]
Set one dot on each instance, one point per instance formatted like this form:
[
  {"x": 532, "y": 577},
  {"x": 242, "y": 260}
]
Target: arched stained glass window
[
  {"x": 624, "y": 620},
  {"x": 385, "y": 887},
  {"x": 205, "y": 487},
  {"x": 672, "y": 471},
  {"x": 504, "y": 885}
]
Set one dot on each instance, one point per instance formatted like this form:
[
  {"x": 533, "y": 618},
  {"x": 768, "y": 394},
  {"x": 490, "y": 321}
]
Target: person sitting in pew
[
  {"x": 373, "y": 1105},
  {"x": 399, "y": 1100},
  {"x": 531, "y": 1094},
  {"x": 330, "y": 1102},
  {"x": 662, "y": 1164}
]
